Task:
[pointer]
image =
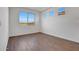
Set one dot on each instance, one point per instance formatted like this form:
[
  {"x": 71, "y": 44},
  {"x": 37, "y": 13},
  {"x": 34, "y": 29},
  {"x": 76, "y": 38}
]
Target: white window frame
[{"x": 27, "y": 18}]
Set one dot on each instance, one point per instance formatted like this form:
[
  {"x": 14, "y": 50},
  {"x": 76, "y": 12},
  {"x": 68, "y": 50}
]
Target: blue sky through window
[
  {"x": 23, "y": 17},
  {"x": 61, "y": 9},
  {"x": 51, "y": 13},
  {"x": 31, "y": 18}
]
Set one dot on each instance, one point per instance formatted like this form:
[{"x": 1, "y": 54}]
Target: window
[
  {"x": 25, "y": 17},
  {"x": 61, "y": 11},
  {"x": 31, "y": 18},
  {"x": 51, "y": 13}
]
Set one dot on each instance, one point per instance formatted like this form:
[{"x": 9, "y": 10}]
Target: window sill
[{"x": 27, "y": 23}]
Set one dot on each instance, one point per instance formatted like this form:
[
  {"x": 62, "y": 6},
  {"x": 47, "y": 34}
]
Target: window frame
[{"x": 27, "y": 18}]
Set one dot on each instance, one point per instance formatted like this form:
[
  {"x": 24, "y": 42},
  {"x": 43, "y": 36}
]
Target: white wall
[
  {"x": 3, "y": 28},
  {"x": 18, "y": 29},
  {"x": 66, "y": 26}
]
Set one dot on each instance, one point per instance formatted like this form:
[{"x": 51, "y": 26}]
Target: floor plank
[{"x": 40, "y": 42}]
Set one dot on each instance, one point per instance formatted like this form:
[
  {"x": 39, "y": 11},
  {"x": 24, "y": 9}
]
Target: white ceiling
[{"x": 40, "y": 9}]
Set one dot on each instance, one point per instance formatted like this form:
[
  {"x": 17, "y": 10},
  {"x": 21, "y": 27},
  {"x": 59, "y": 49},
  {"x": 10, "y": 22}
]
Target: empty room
[{"x": 39, "y": 28}]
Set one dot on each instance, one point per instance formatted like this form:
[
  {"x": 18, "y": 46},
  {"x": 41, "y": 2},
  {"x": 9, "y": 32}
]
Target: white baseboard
[
  {"x": 23, "y": 34},
  {"x": 62, "y": 37}
]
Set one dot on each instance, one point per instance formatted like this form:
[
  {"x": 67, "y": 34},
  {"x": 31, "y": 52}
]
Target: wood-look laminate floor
[{"x": 40, "y": 42}]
